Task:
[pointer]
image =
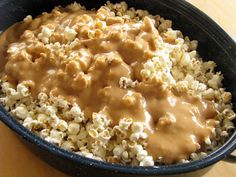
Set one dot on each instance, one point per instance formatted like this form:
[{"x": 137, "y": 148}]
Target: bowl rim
[{"x": 210, "y": 159}]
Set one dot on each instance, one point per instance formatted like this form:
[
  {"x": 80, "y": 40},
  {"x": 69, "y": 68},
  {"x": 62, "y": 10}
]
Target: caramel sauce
[{"x": 176, "y": 123}]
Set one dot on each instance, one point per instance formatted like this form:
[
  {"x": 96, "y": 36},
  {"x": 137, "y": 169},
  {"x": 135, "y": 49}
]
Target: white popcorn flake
[
  {"x": 27, "y": 18},
  {"x": 104, "y": 136},
  {"x": 184, "y": 161},
  {"x": 60, "y": 125},
  {"x": 171, "y": 35},
  {"x": 141, "y": 155},
  {"x": 73, "y": 128},
  {"x": 30, "y": 123},
  {"x": 23, "y": 90},
  {"x": 5, "y": 87},
  {"x": 194, "y": 156},
  {"x": 70, "y": 34},
  {"x": 137, "y": 148},
  {"x": 44, "y": 133},
  {"x": 147, "y": 161},
  {"x": 203, "y": 154},
  {"x": 125, "y": 123},
  {"x": 82, "y": 134},
  {"x": 215, "y": 82},
  {"x": 143, "y": 135},
  {"x": 76, "y": 113},
  {"x": 46, "y": 32},
  {"x": 134, "y": 136},
  {"x": 207, "y": 141},
  {"x": 50, "y": 110},
  {"x": 75, "y": 7},
  {"x": 67, "y": 145},
  {"x": 21, "y": 112},
  {"x": 186, "y": 60},
  {"x": 149, "y": 65},
  {"x": 55, "y": 137},
  {"x": 45, "y": 35},
  {"x": 60, "y": 102},
  {"x": 118, "y": 150},
  {"x": 93, "y": 133},
  {"x": 125, "y": 82},
  {"x": 42, "y": 97},
  {"x": 137, "y": 127},
  {"x": 43, "y": 118},
  {"x": 51, "y": 71},
  {"x": 13, "y": 49},
  {"x": 125, "y": 155}
]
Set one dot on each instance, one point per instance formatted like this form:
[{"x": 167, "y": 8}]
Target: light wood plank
[{"x": 222, "y": 11}]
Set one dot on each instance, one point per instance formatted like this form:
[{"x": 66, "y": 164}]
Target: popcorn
[
  {"x": 60, "y": 125},
  {"x": 127, "y": 83},
  {"x": 125, "y": 155},
  {"x": 76, "y": 113},
  {"x": 23, "y": 90},
  {"x": 45, "y": 35},
  {"x": 137, "y": 127},
  {"x": 27, "y": 18},
  {"x": 70, "y": 34},
  {"x": 134, "y": 136},
  {"x": 44, "y": 133},
  {"x": 42, "y": 97},
  {"x": 55, "y": 137},
  {"x": 141, "y": 155},
  {"x": 118, "y": 150},
  {"x": 73, "y": 128},
  {"x": 215, "y": 82},
  {"x": 67, "y": 145},
  {"x": 49, "y": 110},
  {"x": 43, "y": 118},
  {"x": 93, "y": 133},
  {"x": 147, "y": 161},
  {"x": 125, "y": 123},
  {"x": 30, "y": 123},
  {"x": 21, "y": 112},
  {"x": 207, "y": 141}
]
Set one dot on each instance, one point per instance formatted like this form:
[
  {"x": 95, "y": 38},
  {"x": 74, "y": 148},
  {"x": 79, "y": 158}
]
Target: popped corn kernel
[
  {"x": 55, "y": 137},
  {"x": 61, "y": 125},
  {"x": 125, "y": 123},
  {"x": 76, "y": 113},
  {"x": 23, "y": 90},
  {"x": 42, "y": 97},
  {"x": 215, "y": 82},
  {"x": 73, "y": 128},
  {"x": 21, "y": 112},
  {"x": 118, "y": 150},
  {"x": 70, "y": 34},
  {"x": 27, "y": 18},
  {"x": 45, "y": 35},
  {"x": 93, "y": 133},
  {"x": 67, "y": 145},
  {"x": 147, "y": 161},
  {"x": 141, "y": 155},
  {"x": 137, "y": 127}
]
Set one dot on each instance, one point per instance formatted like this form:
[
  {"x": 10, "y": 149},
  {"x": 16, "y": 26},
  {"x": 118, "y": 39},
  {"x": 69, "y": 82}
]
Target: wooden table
[{"x": 17, "y": 161}]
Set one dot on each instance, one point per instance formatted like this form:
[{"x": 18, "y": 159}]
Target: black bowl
[{"x": 214, "y": 43}]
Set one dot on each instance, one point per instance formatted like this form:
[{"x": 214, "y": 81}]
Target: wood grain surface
[{"x": 17, "y": 161}]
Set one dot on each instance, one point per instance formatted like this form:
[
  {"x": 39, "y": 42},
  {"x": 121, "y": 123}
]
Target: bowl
[{"x": 214, "y": 43}]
